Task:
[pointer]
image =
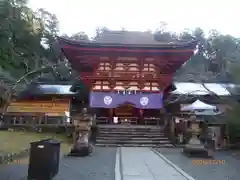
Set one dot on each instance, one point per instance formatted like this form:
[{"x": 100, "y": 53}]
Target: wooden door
[{"x": 124, "y": 110}]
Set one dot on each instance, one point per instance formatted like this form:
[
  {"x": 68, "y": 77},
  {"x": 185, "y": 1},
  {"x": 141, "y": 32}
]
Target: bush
[{"x": 233, "y": 124}]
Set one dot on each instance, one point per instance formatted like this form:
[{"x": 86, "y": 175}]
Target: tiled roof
[
  {"x": 201, "y": 89},
  {"x": 49, "y": 89},
  {"x": 55, "y": 89},
  {"x": 130, "y": 38},
  {"x": 233, "y": 88}
]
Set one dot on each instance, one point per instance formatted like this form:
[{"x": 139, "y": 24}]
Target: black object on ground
[{"x": 44, "y": 160}]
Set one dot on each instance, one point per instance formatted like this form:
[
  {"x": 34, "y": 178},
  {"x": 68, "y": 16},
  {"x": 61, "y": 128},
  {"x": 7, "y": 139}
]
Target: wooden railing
[
  {"x": 35, "y": 120},
  {"x": 102, "y": 120},
  {"x": 128, "y": 120},
  {"x": 32, "y": 122},
  {"x": 152, "y": 121},
  {"x": 121, "y": 120},
  {"x": 132, "y": 120}
]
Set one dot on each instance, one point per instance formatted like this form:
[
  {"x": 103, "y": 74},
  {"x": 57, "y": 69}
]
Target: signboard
[{"x": 113, "y": 100}]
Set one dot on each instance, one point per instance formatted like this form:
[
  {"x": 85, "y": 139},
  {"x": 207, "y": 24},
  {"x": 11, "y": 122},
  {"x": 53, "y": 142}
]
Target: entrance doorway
[{"x": 127, "y": 114}]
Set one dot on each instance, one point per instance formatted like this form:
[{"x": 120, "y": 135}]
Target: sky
[{"x": 141, "y": 15}]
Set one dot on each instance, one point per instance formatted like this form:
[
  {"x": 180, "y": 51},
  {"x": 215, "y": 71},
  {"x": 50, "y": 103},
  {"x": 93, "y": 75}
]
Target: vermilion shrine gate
[{"x": 126, "y": 72}]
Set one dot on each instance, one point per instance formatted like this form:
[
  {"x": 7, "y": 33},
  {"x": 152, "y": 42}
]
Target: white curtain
[{"x": 67, "y": 114}]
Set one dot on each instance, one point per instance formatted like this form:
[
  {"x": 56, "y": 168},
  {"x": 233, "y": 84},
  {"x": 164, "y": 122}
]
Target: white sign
[
  {"x": 115, "y": 120},
  {"x": 144, "y": 101},
  {"x": 177, "y": 120},
  {"x": 107, "y": 100}
]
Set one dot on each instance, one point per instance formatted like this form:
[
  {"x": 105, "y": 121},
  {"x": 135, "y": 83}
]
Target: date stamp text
[{"x": 208, "y": 162}]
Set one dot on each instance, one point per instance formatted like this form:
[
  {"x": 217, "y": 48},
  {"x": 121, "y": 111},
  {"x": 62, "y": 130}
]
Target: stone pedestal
[{"x": 194, "y": 146}]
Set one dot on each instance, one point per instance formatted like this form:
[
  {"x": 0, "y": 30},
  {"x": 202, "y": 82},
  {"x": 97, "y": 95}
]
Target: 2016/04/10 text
[{"x": 207, "y": 162}]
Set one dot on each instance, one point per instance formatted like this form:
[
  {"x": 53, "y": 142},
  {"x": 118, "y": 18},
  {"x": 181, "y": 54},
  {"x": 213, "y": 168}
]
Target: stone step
[
  {"x": 129, "y": 126},
  {"x": 129, "y": 133},
  {"x": 130, "y": 137},
  {"x": 131, "y": 142},
  {"x": 130, "y": 130},
  {"x": 136, "y": 145},
  {"x": 139, "y": 129}
]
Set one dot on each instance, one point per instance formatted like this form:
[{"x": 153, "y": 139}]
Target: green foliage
[
  {"x": 18, "y": 42},
  {"x": 80, "y": 36},
  {"x": 28, "y": 42},
  {"x": 216, "y": 55},
  {"x": 233, "y": 123}
]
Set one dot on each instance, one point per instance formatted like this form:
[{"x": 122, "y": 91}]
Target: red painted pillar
[
  {"x": 110, "y": 118},
  {"x": 141, "y": 120}
]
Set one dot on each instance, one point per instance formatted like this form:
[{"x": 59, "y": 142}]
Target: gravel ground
[
  {"x": 99, "y": 166},
  {"x": 228, "y": 171}
]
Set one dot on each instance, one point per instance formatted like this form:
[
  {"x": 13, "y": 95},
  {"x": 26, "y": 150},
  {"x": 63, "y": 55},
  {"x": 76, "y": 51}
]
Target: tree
[
  {"x": 28, "y": 41},
  {"x": 80, "y": 36},
  {"x": 195, "y": 68},
  {"x": 19, "y": 43},
  {"x": 163, "y": 35},
  {"x": 100, "y": 31},
  {"x": 216, "y": 54}
]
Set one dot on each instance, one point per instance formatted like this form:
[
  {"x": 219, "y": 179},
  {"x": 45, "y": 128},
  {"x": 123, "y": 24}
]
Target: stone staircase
[{"x": 132, "y": 136}]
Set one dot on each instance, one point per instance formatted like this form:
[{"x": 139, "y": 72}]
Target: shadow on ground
[
  {"x": 99, "y": 166},
  {"x": 227, "y": 171}
]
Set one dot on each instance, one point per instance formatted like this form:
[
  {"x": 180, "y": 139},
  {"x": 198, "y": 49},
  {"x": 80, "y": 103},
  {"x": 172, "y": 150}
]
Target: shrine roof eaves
[
  {"x": 54, "y": 89},
  {"x": 48, "y": 89},
  {"x": 199, "y": 89},
  {"x": 95, "y": 44}
]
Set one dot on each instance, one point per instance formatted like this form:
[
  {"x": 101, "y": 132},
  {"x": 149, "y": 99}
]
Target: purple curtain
[{"x": 113, "y": 100}]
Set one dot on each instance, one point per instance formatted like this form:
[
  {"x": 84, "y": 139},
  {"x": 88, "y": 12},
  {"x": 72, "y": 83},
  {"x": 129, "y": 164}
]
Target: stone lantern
[{"x": 194, "y": 145}]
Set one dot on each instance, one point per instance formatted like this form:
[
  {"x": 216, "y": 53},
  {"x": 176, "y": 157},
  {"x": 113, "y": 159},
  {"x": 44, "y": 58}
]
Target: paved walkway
[
  {"x": 99, "y": 166},
  {"x": 144, "y": 164},
  {"x": 227, "y": 171},
  {"x": 129, "y": 163}
]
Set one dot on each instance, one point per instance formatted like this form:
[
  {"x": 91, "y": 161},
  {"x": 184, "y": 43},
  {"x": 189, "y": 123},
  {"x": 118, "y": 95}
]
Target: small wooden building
[{"x": 40, "y": 104}]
